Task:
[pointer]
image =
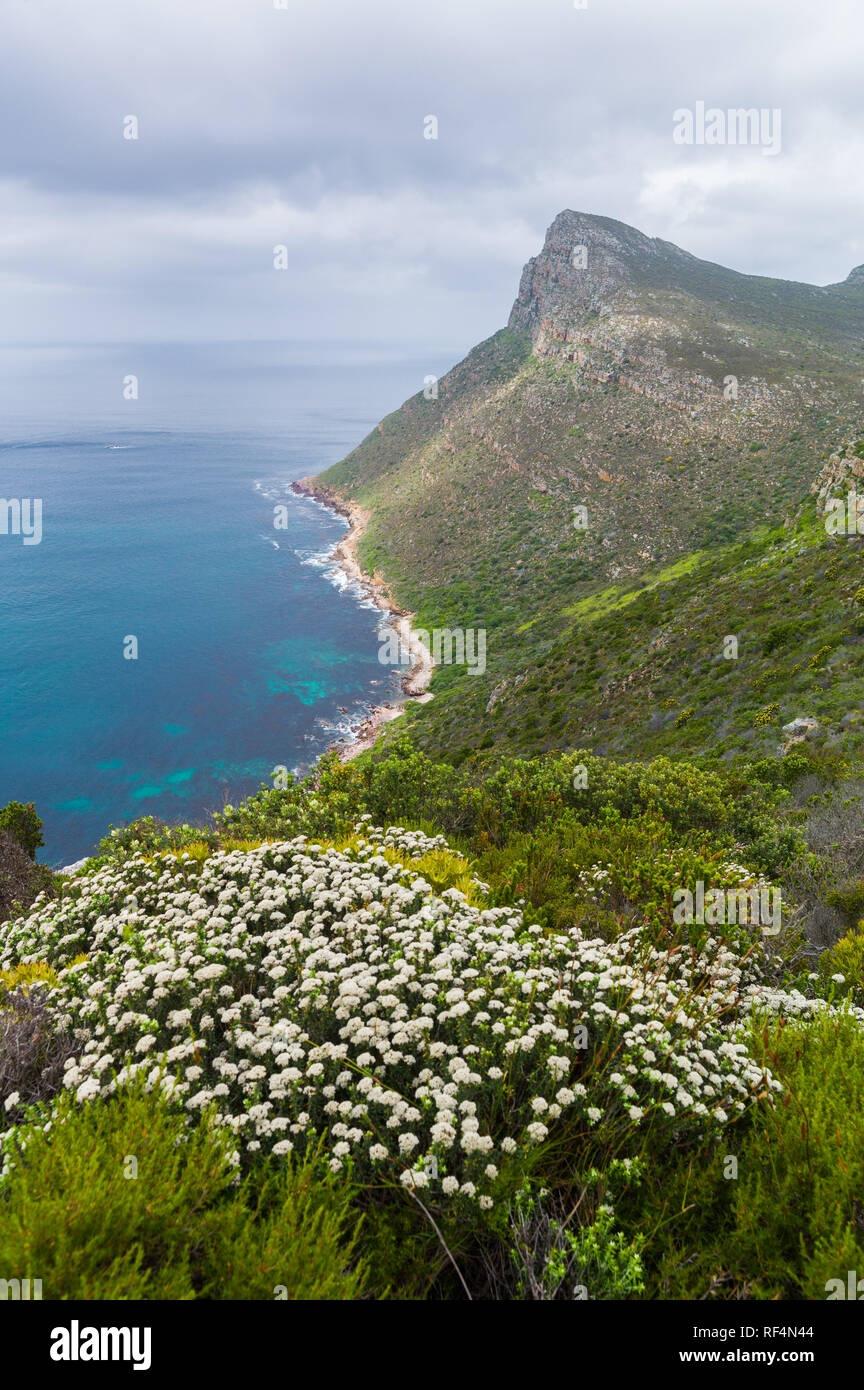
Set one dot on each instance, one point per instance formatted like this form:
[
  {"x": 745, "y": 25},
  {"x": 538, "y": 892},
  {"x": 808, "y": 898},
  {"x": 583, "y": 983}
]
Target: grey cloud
[{"x": 303, "y": 127}]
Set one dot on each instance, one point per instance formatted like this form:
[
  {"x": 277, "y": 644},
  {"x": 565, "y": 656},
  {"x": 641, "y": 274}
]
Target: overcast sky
[{"x": 304, "y": 127}]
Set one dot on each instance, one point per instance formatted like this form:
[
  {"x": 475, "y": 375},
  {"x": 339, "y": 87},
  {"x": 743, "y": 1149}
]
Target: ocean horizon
[{"x": 163, "y": 646}]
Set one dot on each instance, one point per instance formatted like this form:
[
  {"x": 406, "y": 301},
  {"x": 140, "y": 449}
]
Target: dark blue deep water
[{"x": 158, "y": 524}]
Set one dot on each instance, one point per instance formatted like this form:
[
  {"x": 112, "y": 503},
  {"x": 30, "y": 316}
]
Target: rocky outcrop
[
  {"x": 845, "y": 467},
  {"x": 590, "y": 265},
  {"x": 701, "y": 340}
]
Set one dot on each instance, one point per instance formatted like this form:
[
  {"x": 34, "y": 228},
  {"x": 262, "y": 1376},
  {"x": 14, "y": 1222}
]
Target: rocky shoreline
[{"x": 416, "y": 681}]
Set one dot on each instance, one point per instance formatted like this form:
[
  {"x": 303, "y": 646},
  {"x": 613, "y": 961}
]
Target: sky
[{"x": 303, "y": 124}]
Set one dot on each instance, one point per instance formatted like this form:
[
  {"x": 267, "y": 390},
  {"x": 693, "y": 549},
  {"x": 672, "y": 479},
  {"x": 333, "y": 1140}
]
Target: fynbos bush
[{"x": 313, "y": 993}]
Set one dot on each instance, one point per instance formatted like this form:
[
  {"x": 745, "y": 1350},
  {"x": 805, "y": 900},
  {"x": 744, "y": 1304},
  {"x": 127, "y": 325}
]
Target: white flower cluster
[
  {"x": 411, "y": 844},
  {"x": 791, "y": 1003},
  {"x": 305, "y": 992},
  {"x": 595, "y": 882}
]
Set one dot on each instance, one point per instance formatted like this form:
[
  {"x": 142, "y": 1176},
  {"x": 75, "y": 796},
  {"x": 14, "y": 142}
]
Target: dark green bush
[
  {"x": 487, "y": 803},
  {"x": 848, "y": 901},
  {"x": 790, "y": 1220},
  {"x": 24, "y": 825},
  {"x": 148, "y": 835},
  {"x": 780, "y": 635},
  {"x": 120, "y": 1200}
]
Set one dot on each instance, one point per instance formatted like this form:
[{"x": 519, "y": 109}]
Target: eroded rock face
[
  {"x": 844, "y": 467},
  {"x": 801, "y": 725},
  {"x": 695, "y": 338},
  {"x": 592, "y": 265},
  {"x": 797, "y": 731}
]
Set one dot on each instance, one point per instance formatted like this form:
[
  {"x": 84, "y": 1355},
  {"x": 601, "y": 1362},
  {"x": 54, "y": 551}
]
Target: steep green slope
[
  {"x": 642, "y": 407},
  {"x": 649, "y": 667}
]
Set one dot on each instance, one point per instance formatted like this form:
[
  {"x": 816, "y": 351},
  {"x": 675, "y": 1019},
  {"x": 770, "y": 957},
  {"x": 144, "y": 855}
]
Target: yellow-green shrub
[
  {"x": 785, "y": 1220},
  {"x": 846, "y": 958},
  {"x": 23, "y": 976}
]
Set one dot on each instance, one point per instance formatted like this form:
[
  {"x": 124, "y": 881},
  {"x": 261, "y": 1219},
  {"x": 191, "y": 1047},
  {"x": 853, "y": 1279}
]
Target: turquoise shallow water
[{"x": 158, "y": 525}]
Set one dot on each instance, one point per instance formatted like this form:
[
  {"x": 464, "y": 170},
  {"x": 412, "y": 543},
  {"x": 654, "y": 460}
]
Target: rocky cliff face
[
  {"x": 590, "y": 265},
  {"x": 737, "y": 353},
  {"x": 842, "y": 472}
]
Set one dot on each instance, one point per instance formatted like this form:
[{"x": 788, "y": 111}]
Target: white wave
[
  {"x": 273, "y": 490},
  {"x": 338, "y": 578},
  {"x": 317, "y": 558}
]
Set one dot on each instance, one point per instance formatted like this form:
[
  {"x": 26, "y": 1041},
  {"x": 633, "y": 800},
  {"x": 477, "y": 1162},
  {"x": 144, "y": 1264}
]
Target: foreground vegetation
[
  {"x": 432, "y": 1024},
  {"x": 304, "y": 1053}
]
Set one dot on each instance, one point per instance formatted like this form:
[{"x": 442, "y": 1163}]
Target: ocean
[{"x": 158, "y": 537}]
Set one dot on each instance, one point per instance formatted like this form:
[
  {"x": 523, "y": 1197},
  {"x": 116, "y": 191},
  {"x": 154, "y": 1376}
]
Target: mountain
[
  {"x": 554, "y": 914},
  {"x": 641, "y": 415}
]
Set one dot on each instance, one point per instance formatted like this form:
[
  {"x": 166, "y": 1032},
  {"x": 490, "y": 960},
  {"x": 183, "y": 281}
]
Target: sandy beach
[{"x": 415, "y": 682}]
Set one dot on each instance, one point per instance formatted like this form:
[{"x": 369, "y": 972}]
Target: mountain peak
[
  {"x": 610, "y": 238},
  {"x": 587, "y": 261},
  {"x": 593, "y": 269}
]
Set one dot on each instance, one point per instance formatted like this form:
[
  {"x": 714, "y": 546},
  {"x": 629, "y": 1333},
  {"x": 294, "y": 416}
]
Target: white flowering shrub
[
  {"x": 791, "y": 1002},
  {"x": 411, "y": 844},
  {"x": 310, "y": 991}
]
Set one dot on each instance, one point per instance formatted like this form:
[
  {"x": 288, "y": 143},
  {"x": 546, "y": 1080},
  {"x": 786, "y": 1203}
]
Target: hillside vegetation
[
  {"x": 558, "y": 992},
  {"x": 609, "y": 391},
  {"x": 486, "y": 1064}
]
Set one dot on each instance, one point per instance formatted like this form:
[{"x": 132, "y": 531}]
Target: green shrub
[
  {"x": 789, "y": 1218},
  {"x": 23, "y": 824},
  {"x": 629, "y": 870},
  {"x": 490, "y": 803},
  {"x": 794, "y": 766},
  {"x": 779, "y": 636},
  {"x": 148, "y": 835},
  {"x": 848, "y": 901},
  {"x": 553, "y": 1261},
  {"x": 121, "y": 1200},
  {"x": 846, "y": 958},
  {"x": 801, "y": 1173}
]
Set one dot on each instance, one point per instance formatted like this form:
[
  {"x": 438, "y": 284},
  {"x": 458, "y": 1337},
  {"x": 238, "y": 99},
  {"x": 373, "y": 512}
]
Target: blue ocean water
[{"x": 158, "y": 524}]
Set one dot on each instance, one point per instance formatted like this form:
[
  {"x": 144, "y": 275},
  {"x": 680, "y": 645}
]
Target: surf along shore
[{"x": 415, "y": 682}]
